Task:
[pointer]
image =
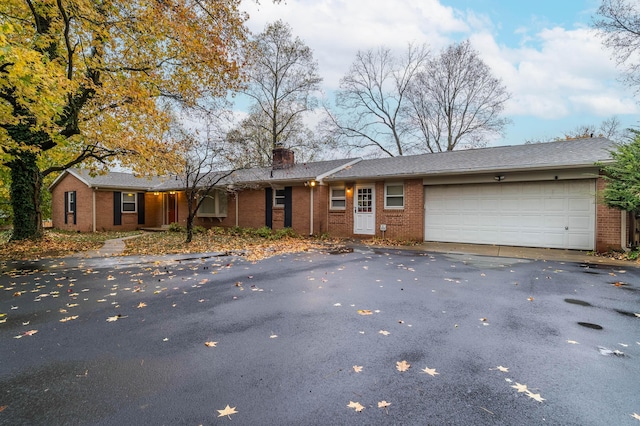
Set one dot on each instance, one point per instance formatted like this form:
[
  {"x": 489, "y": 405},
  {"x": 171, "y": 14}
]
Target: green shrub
[
  {"x": 199, "y": 230},
  {"x": 176, "y": 227},
  {"x": 634, "y": 254},
  {"x": 264, "y": 232},
  {"x": 283, "y": 233}
]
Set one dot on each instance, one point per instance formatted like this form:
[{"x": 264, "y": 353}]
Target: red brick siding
[
  {"x": 608, "y": 224},
  {"x": 402, "y": 224},
  {"x": 83, "y": 205}
]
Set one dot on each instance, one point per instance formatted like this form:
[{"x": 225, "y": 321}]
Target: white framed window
[
  {"x": 394, "y": 195},
  {"x": 213, "y": 205},
  {"x": 278, "y": 198},
  {"x": 338, "y": 198},
  {"x": 71, "y": 202},
  {"x": 129, "y": 202}
]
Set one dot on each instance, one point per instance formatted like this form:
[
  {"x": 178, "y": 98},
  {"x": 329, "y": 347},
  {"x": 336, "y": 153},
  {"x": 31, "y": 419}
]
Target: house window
[
  {"x": 338, "y": 198},
  {"x": 129, "y": 202},
  {"x": 71, "y": 202},
  {"x": 278, "y": 198},
  {"x": 213, "y": 205},
  {"x": 393, "y": 196}
]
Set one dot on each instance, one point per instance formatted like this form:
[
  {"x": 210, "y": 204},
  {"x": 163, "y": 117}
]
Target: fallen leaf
[
  {"x": 530, "y": 299},
  {"x": 273, "y": 336},
  {"x": 383, "y": 404},
  {"x": 520, "y": 388},
  {"x": 2, "y": 408},
  {"x": 535, "y": 396},
  {"x": 503, "y": 369},
  {"x": 402, "y": 366},
  {"x": 110, "y": 278},
  {"x": 141, "y": 305},
  {"x": 357, "y": 368},
  {"x": 356, "y": 406},
  {"x": 337, "y": 304},
  {"x": 228, "y": 411},
  {"x": 210, "y": 344},
  {"x": 365, "y": 312},
  {"x": 430, "y": 371},
  {"x": 115, "y": 318},
  {"x": 71, "y": 318},
  {"x": 572, "y": 342},
  {"x": 634, "y": 415}
]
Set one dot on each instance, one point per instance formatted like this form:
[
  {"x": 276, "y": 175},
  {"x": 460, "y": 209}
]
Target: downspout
[
  {"x": 624, "y": 234},
  {"x": 311, "y": 213},
  {"x": 93, "y": 209}
]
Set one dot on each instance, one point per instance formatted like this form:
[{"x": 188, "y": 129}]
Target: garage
[{"x": 551, "y": 214}]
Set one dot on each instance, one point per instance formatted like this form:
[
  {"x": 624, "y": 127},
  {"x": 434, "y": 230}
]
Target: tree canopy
[
  {"x": 82, "y": 80},
  {"x": 623, "y": 177}
]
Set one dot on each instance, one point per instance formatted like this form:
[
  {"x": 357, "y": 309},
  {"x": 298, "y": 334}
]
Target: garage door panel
[{"x": 557, "y": 214}]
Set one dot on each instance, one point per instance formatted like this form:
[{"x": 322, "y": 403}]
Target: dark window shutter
[
  {"x": 75, "y": 207},
  {"x": 140, "y": 208},
  {"x": 268, "y": 207},
  {"x": 66, "y": 206},
  {"x": 288, "y": 206},
  {"x": 117, "y": 208}
]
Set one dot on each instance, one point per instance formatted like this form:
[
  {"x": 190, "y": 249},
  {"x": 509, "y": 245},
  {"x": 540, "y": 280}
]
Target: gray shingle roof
[
  {"x": 117, "y": 180},
  {"x": 264, "y": 175},
  {"x": 563, "y": 154}
]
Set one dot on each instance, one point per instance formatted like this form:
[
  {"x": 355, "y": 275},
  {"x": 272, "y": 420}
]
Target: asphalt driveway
[{"x": 319, "y": 339}]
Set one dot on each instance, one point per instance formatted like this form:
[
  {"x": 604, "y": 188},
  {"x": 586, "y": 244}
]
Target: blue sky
[{"x": 545, "y": 52}]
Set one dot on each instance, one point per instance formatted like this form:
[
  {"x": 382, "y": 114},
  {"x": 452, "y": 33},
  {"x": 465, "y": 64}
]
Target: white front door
[{"x": 364, "y": 216}]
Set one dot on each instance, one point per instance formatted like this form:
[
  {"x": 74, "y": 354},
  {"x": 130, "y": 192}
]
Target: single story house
[{"x": 532, "y": 195}]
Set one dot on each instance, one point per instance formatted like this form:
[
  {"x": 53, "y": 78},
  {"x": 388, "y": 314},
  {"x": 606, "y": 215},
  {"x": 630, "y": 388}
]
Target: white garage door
[{"x": 558, "y": 214}]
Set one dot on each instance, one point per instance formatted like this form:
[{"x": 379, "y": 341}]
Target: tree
[
  {"x": 250, "y": 143},
  {"x": 94, "y": 81},
  {"x": 282, "y": 81},
  {"x": 456, "y": 101},
  {"x": 609, "y": 128},
  {"x": 204, "y": 165},
  {"x": 623, "y": 176},
  {"x": 372, "y": 98},
  {"x": 618, "y": 25}
]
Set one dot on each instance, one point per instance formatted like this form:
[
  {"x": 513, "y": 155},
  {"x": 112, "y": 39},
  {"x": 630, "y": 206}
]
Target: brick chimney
[{"x": 282, "y": 158}]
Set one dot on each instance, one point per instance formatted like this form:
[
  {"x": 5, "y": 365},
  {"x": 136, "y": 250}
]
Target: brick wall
[
  {"x": 608, "y": 224},
  {"x": 83, "y": 205},
  {"x": 408, "y": 223}
]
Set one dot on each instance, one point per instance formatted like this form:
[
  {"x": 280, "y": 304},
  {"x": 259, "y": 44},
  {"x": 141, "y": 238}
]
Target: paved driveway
[{"x": 482, "y": 340}]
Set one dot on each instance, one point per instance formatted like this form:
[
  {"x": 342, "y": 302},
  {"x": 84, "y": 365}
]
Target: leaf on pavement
[
  {"x": 535, "y": 396},
  {"x": 430, "y": 371},
  {"x": 520, "y": 388},
  {"x": 383, "y": 404},
  {"x": 115, "y": 318},
  {"x": 384, "y": 332},
  {"x": 71, "y": 318},
  {"x": 228, "y": 411},
  {"x": 210, "y": 344},
  {"x": 501, "y": 368},
  {"x": 365, "y": 312},
  {"x": 141, "y": 305},
  {"x": 356, "y": 406},
  {"x": 357, "y": 368},
  {"x": 402, "y": 366},
  {"x": 572, "y": 342}
]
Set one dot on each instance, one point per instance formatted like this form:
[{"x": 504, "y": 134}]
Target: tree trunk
[{"x": 26, "y": 184}]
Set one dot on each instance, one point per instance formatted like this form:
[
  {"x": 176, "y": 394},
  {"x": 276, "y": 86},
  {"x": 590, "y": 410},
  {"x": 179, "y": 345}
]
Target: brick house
[{"x": 536, "y": 195}]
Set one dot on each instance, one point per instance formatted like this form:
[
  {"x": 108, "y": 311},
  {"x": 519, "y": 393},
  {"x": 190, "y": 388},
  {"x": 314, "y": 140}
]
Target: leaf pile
[{"x": 55, "y": 243}]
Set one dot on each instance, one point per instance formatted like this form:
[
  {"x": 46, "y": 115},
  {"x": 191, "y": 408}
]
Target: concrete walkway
[{"x": 113, "y": 247}]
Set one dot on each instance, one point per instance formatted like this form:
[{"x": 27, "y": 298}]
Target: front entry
[
  {"x": 364, "y": 216},
  {"x": 170, "y": 206}
]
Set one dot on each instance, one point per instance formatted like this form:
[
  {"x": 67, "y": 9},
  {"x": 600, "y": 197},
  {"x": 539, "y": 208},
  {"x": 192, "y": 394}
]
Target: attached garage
[{"x": 550, "y": 214}]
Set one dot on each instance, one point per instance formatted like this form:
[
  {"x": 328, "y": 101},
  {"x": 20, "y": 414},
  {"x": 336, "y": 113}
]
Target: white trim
[
  {"x": 311, "y": 212},
  {"x": 331, "y": 198},
  {"x": 135, "y": 202},
  {"x": 337, "y": 169}
]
